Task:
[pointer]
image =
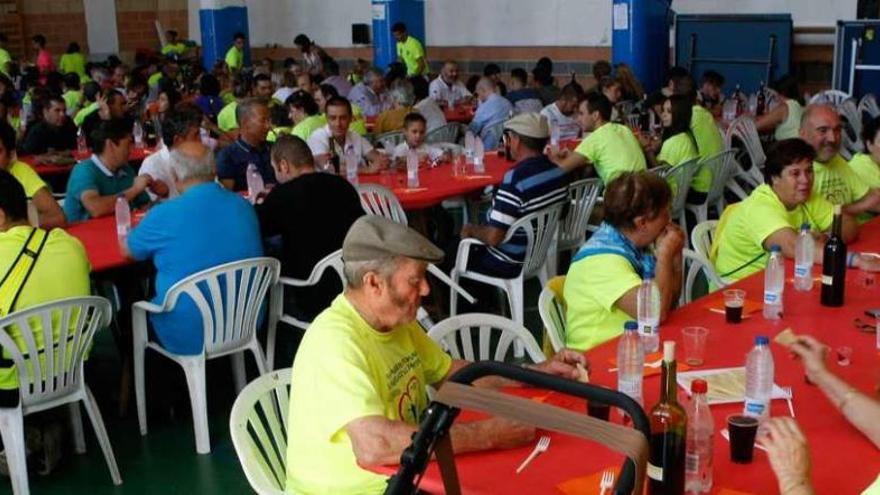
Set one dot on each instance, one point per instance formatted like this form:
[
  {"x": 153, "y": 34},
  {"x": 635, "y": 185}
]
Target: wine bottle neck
[
  {"x": 837, "y": 226},
  {"x": 668, "y": 379}
]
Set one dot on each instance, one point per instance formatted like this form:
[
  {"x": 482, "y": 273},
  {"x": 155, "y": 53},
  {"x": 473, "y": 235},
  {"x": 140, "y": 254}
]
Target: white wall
[
  {"x": 328, "y": 22},
  {"x": 101, "y": 27},
  {"x": 803, "y": 12}
]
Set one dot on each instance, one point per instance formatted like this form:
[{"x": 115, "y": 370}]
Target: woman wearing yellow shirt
[
  {"x": 784, "y": 120},
  {"x": 867, "y": 165},
  {"x": 73, "y": 62},
  {"x": 603, "y": 281}
]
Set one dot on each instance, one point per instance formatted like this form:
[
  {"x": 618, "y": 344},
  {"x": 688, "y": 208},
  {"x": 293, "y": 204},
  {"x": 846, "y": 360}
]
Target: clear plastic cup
[{"x": 694, "y": 345}]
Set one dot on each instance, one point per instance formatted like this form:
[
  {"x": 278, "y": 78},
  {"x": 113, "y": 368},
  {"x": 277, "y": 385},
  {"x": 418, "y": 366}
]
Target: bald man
[
  {"x": 833, "y": 177},
  {"x": 493, "y": 109},
  {"x": 180, "y": 236},
  {"x": 447, "y": 88}
]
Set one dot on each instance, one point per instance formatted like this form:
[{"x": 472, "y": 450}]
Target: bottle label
[
  {"x": 771, "y": 297},
  {"x": 692, "y": 462},
  {"x": 801, "y": 270},
  {"x": 646, "y": 329},
  {"x": 655, "y": 472},
  {"x": 827, "y": 279},
  {"x": 754, "y": 407}
]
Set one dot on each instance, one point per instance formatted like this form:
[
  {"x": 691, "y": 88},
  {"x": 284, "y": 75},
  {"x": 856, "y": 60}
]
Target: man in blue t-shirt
[
  {"x": 204, "y": 227},
  {"x": 252, "y": 116},
  {"x": 532, "y": 184},
  {"x": 96, "y": 182}
]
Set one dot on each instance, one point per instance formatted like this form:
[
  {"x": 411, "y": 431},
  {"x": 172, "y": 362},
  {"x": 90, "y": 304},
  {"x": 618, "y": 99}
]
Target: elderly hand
[
  {"x": 868, "y": 262},
  {"x": 788, "y": 453},
  {"x": 564, "y": 364},
  {"x": 812, "y": 353},
  {"x": 670, "y": 242}
]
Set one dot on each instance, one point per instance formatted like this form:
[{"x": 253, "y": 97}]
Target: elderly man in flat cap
[
  {"x": 359, "y": 381},
  {"x": 533, "y": 183}
]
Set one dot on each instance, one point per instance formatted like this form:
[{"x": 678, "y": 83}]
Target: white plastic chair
[
  {"x": 693, "y": 264},
  {"x": 229, "y": 325},
  {"x": 332, "y": 261},
  {"x": 491, "y": 135},
  {"x": 723, "y": 170},
  {"x": 682, "y": 176},
  {"x": 745, "y": 130},
  {"x": 56, "y": 379},
  {"x": 851, "y": 118},
  {"x": 456, "y": 335},
  {"x": 258, "y": 427},
  {"x": 702, "y": 237},
  {"x": 868, "y": 105},
  {"x": 379, "y": 200},
  {"x": 529, "y": 105},
  {"x": 582, "y": 196},
  {"x": 829, "y": 96},
  {"x": 446, "y": 133},
  {"x": 552, "y": 312},
  {"x": 539, "y": 228},
  {"x": 390, "y": 140}
]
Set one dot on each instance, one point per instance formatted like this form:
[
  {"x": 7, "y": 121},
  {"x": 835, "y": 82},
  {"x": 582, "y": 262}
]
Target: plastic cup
[
  {"x": 694, "y": 344},
  {"x": 742, "y": 430},
  {"x": 734, "y": 300}
]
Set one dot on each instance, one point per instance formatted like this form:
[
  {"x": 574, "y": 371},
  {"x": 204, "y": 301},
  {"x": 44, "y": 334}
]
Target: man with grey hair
[
  {"x": 361, "y": 373},
  {"x": 401, "y": 96},
  {"x": 493, "y": 109},
  {"x": 250, "y": 147},
  {"x": 833, "y": 179},
  {"x": 181, "y": 238},
  {"x": 370, "y": 93},
  {"x": 447, "y": 88}
]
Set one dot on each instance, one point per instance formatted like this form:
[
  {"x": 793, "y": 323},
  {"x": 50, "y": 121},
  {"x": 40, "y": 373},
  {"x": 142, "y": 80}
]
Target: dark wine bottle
[
  {"x": 834, "y": 264},
  {"x": 761, "y": 106},
  {"x": 666, "y": 465}
]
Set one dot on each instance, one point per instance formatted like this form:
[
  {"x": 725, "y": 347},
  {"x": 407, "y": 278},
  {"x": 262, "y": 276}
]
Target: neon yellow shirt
[
  {"x": 866, "y": 169},
  {"x": 873, "y": 488},
  {"x": 679, "y": 149},
  {"x": 837, "y": 182},
  {"x": 28, "y": 178},
  {"x": 226, "y": 120},
  {"x": 592, "y": 288},
  {"x": 154, "y": 79},
  {"x": 234, "y": 59},
  {"x": 345, "y": 370},
  {"x": 410, "y": 51},
  {"x": 309, "y": 125},
  {"x": 706, "y": 133},
  {"x": 85, "y": 112},
  {"x": 61, "y": 271},
  {"x": 4, "y": 59},
  {"x": 612, "y": 149},
  {"x": 174, "y": 48},
  {"x": 72, "y": 99},
  {"x": 740, "y": 242},
  {"x": 277, "y": 132},
  {"x": 73, "y": 62}
]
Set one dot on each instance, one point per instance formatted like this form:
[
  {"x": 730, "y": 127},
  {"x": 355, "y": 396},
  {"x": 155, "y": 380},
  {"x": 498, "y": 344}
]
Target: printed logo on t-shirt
[{"x": 404, "y": 384}]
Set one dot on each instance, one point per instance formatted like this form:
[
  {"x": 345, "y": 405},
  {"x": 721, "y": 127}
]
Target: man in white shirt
[
  {"x": 447, "y": 88},
  {"x": 561, "y": 113},
  {"x": 426, "y": 106},
  {"x": 330, "y": 143},
  {"x": 370, "y": 94},
  {"x": 181, "y": 125}
]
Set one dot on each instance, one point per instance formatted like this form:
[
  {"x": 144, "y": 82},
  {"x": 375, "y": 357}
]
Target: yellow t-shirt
[
  {"x": 73, "y": 62},
  {"x": 837, "y": 182},
  {"x": 72, "y": 99},
  {"x": 4, "y": 59},
  {"x": 741, "y": 240},
  {"x": 873, "y": 488},
  {"x": 706, "y": 133},
  {"x": 612, "y": 149},
  {"x": 345, "y": 370},
  {"x": 61, "y": 271},
  {"x": 27, "y": 177},
  {"x": 308, "y": 125},
  {"x": 234, "y": 59},
  {"x": 679, "y": 149},
  {"x": 592, "y": 288},
  {"x": 866, "y": 169},
  {"x": 226, "y": 120},
  {"x": 84, "y": 112},
  {"x": 174, "y": 48},
  {"x": 391, "y": 120},
  {"x": 154, "y": 79},
  {"x": 410, "y": 51}
]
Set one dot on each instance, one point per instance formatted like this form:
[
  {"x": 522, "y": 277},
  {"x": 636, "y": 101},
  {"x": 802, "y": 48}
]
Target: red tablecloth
[
  {"x": 438, "y": 184},
  {"x": 46, "y": 169},
  {"x": 98, "y": 235},
  {"x": 844, "y": 461}
]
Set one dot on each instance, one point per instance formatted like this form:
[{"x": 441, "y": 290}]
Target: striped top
[{"x": 531, "y": 185}]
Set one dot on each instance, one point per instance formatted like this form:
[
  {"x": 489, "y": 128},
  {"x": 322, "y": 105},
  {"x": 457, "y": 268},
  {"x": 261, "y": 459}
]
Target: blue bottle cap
[
  {"x": 762, "y": 340},
  {"x": 630, "y": 325},
  {"x": 649, "y": 272},
  {"x": 805, "y": 226},
  {"x": 775, "y": 248}
]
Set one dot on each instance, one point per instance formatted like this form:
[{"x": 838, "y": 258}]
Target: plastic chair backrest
[
  {"x": 331, "y": 261},
  {"x": 851, "y": 140},
  {"x": 679, "y": 178},
  {"x": 53, "y": 341},
  {"x": 539, "y": 228},
  {"x": 258, "y": 426},
  {"x": 380, "y": 201},
  {"x": 693, "y": 264},
  {"x": 456, "y": 336},
  {"x": 529, "y": 105},
  {"x": 551, "y": 307},
  {"x": 446, "y": 133},
  {"x": 582, "y": 196},
  {"x": 744, "y": 129},
  {"x": 390, "y": 140},
  {"x": 229, "y": 298},
  {"x": 703, "y": 235},
  {"x": 869, "y": 106},
  {"x": 830, "y": 96},
  {"x": 491, "y": 135},
  {"x": 723, "y": 169}
]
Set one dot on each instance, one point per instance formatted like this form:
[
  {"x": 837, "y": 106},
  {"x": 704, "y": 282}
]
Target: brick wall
[
  {"x": 60, "y": 21},
  {"x": 135, "y": 22}
]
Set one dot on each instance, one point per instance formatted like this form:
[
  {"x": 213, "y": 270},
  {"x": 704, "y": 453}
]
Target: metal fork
[
  {"x": 543, "y": 444},
  {"x": 607, "y": 482},
  {"x": 788, "y": 396}
]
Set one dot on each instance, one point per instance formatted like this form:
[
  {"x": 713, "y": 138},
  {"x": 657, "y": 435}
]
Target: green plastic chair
[{"x": 258, "y": 426}]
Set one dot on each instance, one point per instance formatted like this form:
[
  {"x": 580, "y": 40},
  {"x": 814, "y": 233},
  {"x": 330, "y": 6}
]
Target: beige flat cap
[{"x": 373, "y": 237}]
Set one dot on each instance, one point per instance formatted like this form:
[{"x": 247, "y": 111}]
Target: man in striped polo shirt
[{"x": 533, "y": 183}]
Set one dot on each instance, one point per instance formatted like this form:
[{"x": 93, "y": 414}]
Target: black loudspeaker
[{"x": 360, "y": 34}]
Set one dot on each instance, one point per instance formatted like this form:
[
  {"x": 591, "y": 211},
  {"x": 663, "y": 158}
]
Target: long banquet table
[{"x": 844, "y": 460}]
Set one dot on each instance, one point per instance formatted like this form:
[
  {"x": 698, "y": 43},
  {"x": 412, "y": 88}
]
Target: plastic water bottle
[
  {"x": 554, "y": 137},
  {"x": 254, "y": 182},
  {"x": 82, "y": 147},
  {"x": 123, "y": 219},
  {"x": 630, "y": 362},
  {"x": 479, "y": 153},
  {"x": 138, "y": 135},
  {"x": 469, "y": 146},
  {"x": 774, "y": 284},
  {"x": 412, "y": 169},
  {"x": 803, "y": 260},
  {"x": 350, "y": 162},
  {"x": 700, "y": 428},
  {"x": 759, "y": 379},
  {"x": 649, "y": 312}
]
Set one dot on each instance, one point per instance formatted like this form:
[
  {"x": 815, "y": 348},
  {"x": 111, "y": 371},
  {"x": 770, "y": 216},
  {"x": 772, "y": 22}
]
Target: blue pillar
[
  {"x": 640, "y": 38},
  {"x": 219, "y": 21},
  {"x": 385, "y": 14}
]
